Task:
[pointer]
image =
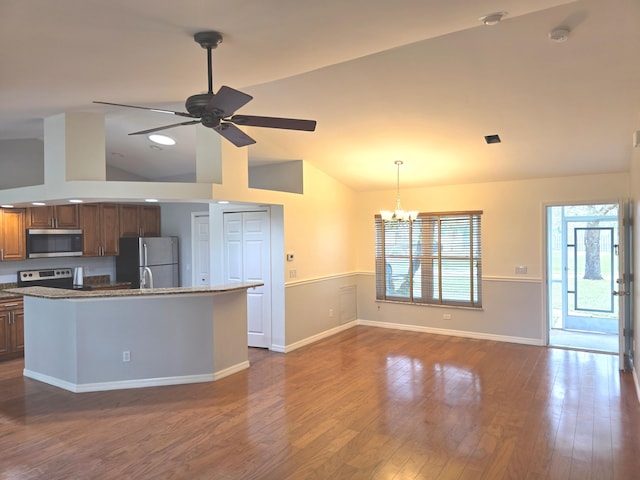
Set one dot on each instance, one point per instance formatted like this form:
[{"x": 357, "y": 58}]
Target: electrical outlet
[
  {"x": 331, "y": 312},
  {"x": 293, "y": 273},
  {"x": 446, "y": 316},
  {"x": 126, "y": 356}
]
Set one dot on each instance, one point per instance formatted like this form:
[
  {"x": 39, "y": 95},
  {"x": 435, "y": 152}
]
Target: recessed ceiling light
[
  {"x": 75, "y": 200},
  {"x": 492, "y": 18},
  {"x": 6, "y": 206},
  {"x": 223, "y": 202},
  {"x": 38, "y": 204},
  {"x": 151, "y": 200},
  {"x": 492, "y": 138},
  {"x": 162, "y": 139}
]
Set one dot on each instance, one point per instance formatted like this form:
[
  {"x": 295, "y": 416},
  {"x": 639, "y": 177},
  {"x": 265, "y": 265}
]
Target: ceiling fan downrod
[{"x": 209, "y": 41}]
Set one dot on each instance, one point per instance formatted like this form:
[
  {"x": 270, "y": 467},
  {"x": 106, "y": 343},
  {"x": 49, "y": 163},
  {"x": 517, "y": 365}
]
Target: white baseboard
[
  {"x": 231, "y": 370},
  {"x": 412, "y": 328},
  {"x": 453, "y": 333},
  {"x": 313, "y": 338},
  {"x": 140, "y": 383}
]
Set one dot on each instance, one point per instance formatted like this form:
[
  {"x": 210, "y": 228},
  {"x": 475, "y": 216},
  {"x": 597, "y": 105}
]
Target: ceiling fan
[{"x": 217, "y": 110}]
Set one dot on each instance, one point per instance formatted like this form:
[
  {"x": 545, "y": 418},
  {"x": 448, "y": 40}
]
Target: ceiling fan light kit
[{"x": 216, "y": 111}]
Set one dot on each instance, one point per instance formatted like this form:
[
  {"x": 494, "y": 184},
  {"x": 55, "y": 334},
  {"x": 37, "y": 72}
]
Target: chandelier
[{"x": 398, "y": 214}]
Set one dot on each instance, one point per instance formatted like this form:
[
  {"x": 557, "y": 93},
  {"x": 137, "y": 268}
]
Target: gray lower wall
[
  {"x": 81, "y": 341},
  {"x": 309, "y": 305},
  {"x": 513, "y": 310}
]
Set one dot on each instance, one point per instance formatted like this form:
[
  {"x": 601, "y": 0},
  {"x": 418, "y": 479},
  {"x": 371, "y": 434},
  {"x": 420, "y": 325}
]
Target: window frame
[{"x": 423, "y": 261}]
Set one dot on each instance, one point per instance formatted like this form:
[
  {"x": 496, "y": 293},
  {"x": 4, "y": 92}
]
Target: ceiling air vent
[{"x": 492, "y": 139}]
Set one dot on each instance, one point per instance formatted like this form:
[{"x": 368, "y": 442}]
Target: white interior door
[
  {"x": 246, "y": 259},
  {"x": 200, "y": 248}
]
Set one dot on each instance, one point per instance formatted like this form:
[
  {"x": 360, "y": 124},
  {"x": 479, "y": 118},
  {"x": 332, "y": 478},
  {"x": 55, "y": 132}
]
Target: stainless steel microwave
[{"x": 54, "y": 243}]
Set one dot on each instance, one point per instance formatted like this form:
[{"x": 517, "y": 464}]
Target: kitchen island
[{"x": 92, "y": 340}]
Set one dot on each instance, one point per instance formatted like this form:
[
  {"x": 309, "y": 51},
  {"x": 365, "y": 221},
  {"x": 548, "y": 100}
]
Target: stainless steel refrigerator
[{"x": 148, "y": 262}]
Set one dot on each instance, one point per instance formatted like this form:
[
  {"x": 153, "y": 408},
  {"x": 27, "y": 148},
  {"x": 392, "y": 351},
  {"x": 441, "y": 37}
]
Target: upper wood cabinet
[
  {"x": 139, "y": 220},
  {"x": 13, "y": 243},
  {"x": 53, "y": 216},
  {"x": 100, "y": 227}
]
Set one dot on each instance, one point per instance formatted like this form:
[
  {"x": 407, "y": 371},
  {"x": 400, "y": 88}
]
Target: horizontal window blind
[{"x": 436, "y": 259}]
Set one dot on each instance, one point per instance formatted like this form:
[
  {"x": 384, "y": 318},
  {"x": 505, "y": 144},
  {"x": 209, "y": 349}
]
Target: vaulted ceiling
[{"x": 419, "y": 80}]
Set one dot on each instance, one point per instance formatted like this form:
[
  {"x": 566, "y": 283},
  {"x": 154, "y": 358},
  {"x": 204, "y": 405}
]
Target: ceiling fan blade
[
  {"x": 159, "y": 110},
  {"x": 227, "y": 101},
  {"x": 157, "y": 129},
  {"x": 234, "y": 134},
  {"x": 273, "y": 122}
]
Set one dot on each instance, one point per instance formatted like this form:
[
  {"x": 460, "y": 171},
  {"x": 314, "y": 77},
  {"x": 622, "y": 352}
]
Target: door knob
[{"x": 620, "y": 293}]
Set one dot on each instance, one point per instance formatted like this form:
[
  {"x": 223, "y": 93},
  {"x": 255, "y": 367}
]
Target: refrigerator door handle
[
  {"x": 146, "y": 270},
  {"x": 145, "y": 258}
]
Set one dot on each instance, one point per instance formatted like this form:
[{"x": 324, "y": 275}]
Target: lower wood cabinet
[{"x": 11, "y": 328}]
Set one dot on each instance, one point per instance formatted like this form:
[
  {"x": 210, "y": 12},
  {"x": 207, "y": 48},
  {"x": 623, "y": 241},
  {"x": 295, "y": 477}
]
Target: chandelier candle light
[{"x": 398, "y": 214}]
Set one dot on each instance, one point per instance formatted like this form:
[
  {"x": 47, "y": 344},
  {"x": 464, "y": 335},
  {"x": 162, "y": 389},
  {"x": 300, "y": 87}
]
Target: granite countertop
[
  {"x": 58, "y": 293},
  {"x": 96, "y": 281},
  {"x": 6, "y": 295}
]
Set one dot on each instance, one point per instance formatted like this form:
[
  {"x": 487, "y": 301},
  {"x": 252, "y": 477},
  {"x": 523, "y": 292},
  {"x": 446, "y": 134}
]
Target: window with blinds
[{"x": 436, "y": 259}]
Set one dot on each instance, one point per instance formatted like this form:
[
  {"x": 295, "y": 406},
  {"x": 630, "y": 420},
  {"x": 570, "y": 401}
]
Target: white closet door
[{"x": 246, "y": 240}]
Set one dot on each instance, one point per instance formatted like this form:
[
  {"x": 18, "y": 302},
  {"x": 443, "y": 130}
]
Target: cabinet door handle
[
  {"x": 11, "y": 304},
  {"x": 1, "y": 254}
]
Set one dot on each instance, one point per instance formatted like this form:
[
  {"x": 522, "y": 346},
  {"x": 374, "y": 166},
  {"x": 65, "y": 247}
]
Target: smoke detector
[
  {"x": 492, "y": 18},
  {"x": 559, "y": 35}
]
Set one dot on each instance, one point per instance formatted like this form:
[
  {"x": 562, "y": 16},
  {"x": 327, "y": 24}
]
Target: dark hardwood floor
[{"x": 367, "y": 403}]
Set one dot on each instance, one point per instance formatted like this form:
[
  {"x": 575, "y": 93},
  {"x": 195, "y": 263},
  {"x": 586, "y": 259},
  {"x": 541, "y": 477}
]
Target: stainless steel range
[{"x": 50, "y": 277}]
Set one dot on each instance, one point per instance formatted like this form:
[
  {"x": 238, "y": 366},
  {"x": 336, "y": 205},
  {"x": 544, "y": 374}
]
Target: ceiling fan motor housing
[{"x": 196, "y": 105}]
